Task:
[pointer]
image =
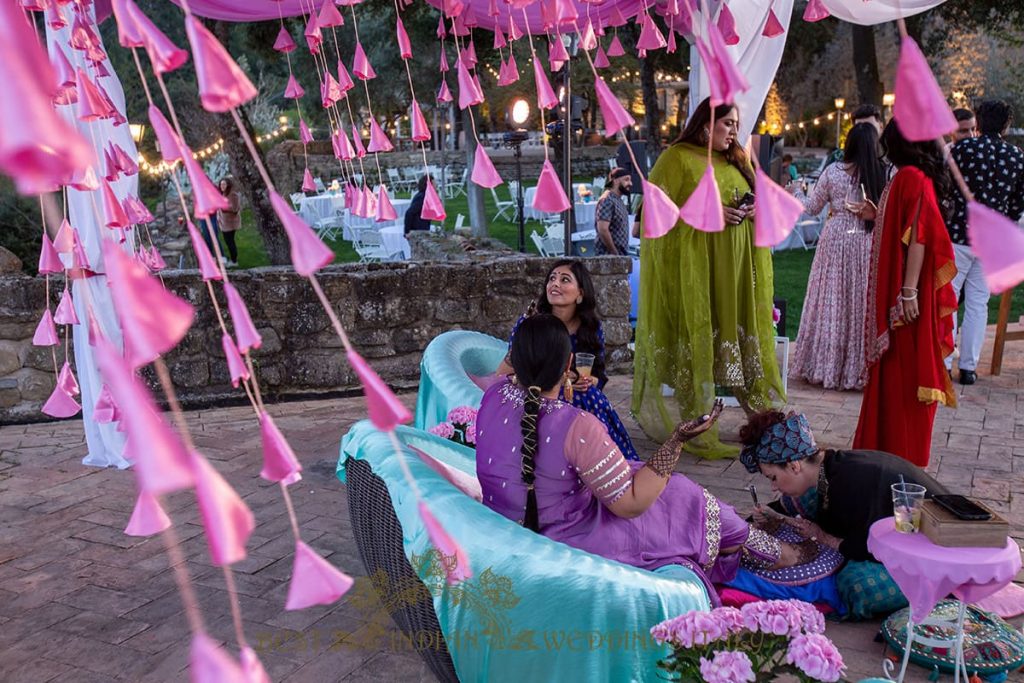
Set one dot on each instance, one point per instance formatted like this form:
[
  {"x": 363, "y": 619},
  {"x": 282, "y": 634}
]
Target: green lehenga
[{"x": 705, "y": 321}]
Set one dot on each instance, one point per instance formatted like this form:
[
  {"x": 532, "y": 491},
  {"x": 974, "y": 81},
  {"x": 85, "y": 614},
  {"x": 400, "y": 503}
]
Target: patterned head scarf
[{"x": 783, "y": 442}]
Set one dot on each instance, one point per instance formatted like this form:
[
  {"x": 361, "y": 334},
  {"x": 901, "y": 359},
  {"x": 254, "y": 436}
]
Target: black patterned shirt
[
  {"x": 994, "y": 171},
  {"x": 612, "y": 208}
]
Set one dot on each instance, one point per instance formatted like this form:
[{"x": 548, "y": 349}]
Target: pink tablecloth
[{"x": 926, "y": 572}]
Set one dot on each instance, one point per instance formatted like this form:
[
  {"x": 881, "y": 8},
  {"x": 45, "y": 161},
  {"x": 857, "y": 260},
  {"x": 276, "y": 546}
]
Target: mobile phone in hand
[{"x": 747, "y": 199}]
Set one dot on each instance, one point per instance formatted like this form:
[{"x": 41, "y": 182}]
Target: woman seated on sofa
[
  {"x": 568, "y": 293},
  {"x": 556, "y": 470},
  {"x": 831, "y": 495}
]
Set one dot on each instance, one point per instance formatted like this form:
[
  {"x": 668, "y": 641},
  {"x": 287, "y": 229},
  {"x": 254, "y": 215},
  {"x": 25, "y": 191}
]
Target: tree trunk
[
  {"x": 865, "y": 65},
  {"x": 652, "y": 116},
  {"x": 247, "y": 176},
  {"x": 474, "y": 193}
]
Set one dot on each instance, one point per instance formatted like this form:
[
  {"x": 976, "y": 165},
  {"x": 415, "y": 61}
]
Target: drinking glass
[
  {"x": 855, "y": 199},
  {"x": 584, "y": 364},
  {"x": 907, "y": 500}
]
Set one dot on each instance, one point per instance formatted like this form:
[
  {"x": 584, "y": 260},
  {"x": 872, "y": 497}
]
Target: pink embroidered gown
[{"x": 830, "y": 343}]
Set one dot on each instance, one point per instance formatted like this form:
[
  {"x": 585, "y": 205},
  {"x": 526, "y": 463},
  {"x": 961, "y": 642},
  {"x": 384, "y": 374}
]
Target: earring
[
  {"x": 567, "y": 391},
  {"x": 579, "y": 300}
]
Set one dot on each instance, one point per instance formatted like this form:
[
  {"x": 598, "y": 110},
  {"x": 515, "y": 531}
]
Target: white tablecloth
[
  {"x": 584, "y": 211},
  {"x": 313, "y": 209},
  {"x": 392, "y": 238}
]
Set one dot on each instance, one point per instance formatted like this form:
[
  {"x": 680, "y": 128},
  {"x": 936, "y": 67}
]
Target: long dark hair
[
  {"x": 587, "y": 339},
  {"x": 861, "y": 151},
  {"x": 539, "y": 355},
  {"x": 231, "y": 185},
  {"x": 694, "y": 135},
  {"x": 924, "y": 156}
]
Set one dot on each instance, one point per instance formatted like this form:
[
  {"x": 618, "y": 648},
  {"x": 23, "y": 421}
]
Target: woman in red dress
[{"x": 910, "y": 306}]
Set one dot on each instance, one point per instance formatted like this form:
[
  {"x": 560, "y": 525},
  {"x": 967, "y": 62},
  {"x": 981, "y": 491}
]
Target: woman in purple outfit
[{"x": 554, "y": 469}]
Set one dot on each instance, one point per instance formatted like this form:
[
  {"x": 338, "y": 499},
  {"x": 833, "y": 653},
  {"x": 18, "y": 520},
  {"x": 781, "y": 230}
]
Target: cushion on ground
[
  {"x": 453, "y": 371},
  {"x": 534, "y": 609},
  {"x": 867, "y": 590}
]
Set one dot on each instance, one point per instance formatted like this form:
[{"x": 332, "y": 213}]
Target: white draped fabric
[
  {"x": 85, "y": 212},
  {"x": 877, "y": 11}
]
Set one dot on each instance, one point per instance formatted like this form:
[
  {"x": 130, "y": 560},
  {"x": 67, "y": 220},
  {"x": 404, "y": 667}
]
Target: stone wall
[{"x": 390, "y": 310}]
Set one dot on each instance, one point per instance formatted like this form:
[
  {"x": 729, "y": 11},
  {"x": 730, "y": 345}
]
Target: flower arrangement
[
  {"x": 752, "y": 644},
  {"x": 460, "y": 427}
]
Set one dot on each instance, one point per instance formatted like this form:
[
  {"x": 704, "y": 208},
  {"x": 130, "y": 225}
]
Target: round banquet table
[
  {"x": 927, "y": 572},
  {"x": 392, "y": 238}
]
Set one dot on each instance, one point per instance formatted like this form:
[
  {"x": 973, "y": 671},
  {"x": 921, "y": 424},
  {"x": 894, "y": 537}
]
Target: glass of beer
[
  {"x": 584, "y": 364},
  {"x": 907, "y": 500}
]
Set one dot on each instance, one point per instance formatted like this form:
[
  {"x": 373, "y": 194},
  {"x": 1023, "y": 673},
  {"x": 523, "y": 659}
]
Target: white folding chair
[
  {"x": 319, "y": 183},
  {"x": 543, "y": 244},
  {"x": 297, "y": 198},
  {"x": 366, "y": 242},
  {"x": 505, "y": 208},
  {"x": 597, "y": 186},
  {"x": 460, "y": 219}
]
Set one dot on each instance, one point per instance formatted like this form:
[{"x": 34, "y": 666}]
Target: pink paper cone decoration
[
  {"x": 815, "y": 11},
  {"x": 304, "y": 133},
  {"x": 208, "y": 663},
  {"x": 148, "y": 518},
  {"x": 124, "y": 160},
  {"x": 441, "y": 33},
  {"x": 315, "y": 581},
  {"x": 153, "y": 319},
  {"x": 204, "y": 259},
  {"x": 999, "y": 244},
  {"x": 357, "y": 143},
  {"x": 499, "y": 38},
  {"x": 454, "y": 560},
  {"x": 67, "y": 92},
  {"x": 293, "y": 90},
  {"x": 55, "y": 19},
  {"x": 252, "y": 669},
  {"x": 468, "y": 95},
  {"x": 385, "y": 209},
  {"x": 46, "y": 331},
  {"x": 245, "y": 332},
  {"x": 404, "y": 46},
  {"x": 85, "y": 179},
  {"x": 703, "y": 210},
  {"x": 284, "y": 42},
  {"x": 589, "y": 40},
  {"x": 777, "y": 212},
  {"x": 727, "y": 26},
  {"x": 345, "y": 149},
  {"x": 314, "y": 37},
  {"x": 641, "y": 53},
  {"x": 128, "y": 33},
  {"x": 469, "y": 56},
  {"x": 557, "y": 51},
  {"x": 329, "y": 15},
  {"x": 236, "y": 366},
  {"x": 650, "y": 36},
  {"x": 433, "y": 207},
  {"x": 308, "y": 184},
  {"x": 222, "y": 84},
  {"x": 671, "y": 48},
  {"x": 725, "y": 79},
  {"x": 369, "y": 202},
  {"x": 92, "y": 105},
  {"x": 379, "y": 141},
  {"x": 206, "y": 198},
  {"x": 65, "y": 313},
  {"x": 444, "y": 95},
  {"x": 113, "y": 212},
  {"x": 156, "y": 260},
  {"x": 616, "y": 18},
  {"x": 614, "y": 114},
  {"x": 226, "y": 518},
  {"x": 279, "y": 461},
  {"x": 920, "y": 110},
  {"x": 79, "y": 259},
  {"x": 309, "y": 253},
  {"x": 420, "y": 130},
  {"x": 511, "y": 74},
  {"x": 344, "y": 79},
  {"x": 601, "y": 59},
  {"x": 615, "y": 48},
  {"x": 514, "y": 32},
  {"x": 361, "y": 64},
  {"x": 136, "y": 210},
  {"x": 64, "y": 242},
  {"x": 484, "y": 173},
  {"x": 165, "y": 55},
  {"x": 66, "y": 380},
  {"x": 550, "y": 196},
  {"x": 546, "y": 98},
  {"x": 492, "y": 10},
  {"x": 660, "y": 214},
  {"x": 49, "y": 259},
  {"x": 105, "y": 411},
  {"x": 772, "y": 26},
  {"x": 60, "y": 404},
  {"x": 386, "y": 411},
  {"x": 330, "y": 91},
  {"x": 167, "y": 140}
]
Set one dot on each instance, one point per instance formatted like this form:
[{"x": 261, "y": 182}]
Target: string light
[
  {"x": 162, "y": 168},
  {"x": 790, "y": 125}
]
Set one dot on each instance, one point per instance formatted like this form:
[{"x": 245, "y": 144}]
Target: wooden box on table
[{"x": 944, "y": 528}]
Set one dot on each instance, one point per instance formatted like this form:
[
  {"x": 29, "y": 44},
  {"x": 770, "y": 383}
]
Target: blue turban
[{"x": 783, "y": 442}]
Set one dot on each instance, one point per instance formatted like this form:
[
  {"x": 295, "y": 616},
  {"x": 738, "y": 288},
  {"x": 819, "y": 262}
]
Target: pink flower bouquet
[
  {"x": 460, "y": 427},
  {"x": 752, "y": 644}
]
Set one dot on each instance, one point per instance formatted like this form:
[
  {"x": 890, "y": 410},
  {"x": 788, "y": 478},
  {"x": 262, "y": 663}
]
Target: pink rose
[
  {"x": 444, "y": 430},
  {"x": 462, "y": 415},
  {"x": 816, "y": 656},
  {"x": 727, "y": 667}
]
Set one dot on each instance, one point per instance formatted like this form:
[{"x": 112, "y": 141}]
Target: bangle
[
  {"x": 909, "y": 289},
  {"x": 900, "y": 297}
]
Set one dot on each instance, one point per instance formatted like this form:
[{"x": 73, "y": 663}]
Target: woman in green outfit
[{"x": 705, "y": 322}]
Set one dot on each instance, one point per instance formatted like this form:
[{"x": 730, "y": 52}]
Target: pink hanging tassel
[
  {"x": 357, "y": 143},
  {"x": 420, "y": 130},
  {"x": 671, "y": 42},
  {"x": 589, "y": 40},
  {"x": 361, "y": 65},
  {"x": 66, "y": 380},
  {"x": 49, "y": 259},
  {"x": 550, "y": 196},
  {"x": 309, "y": 254},
  {"x": 484, "y": 173},
  {"x": 344, "y": 79},
  {"x": 921, "y": 110},
  {"x": 314, "y": 37},
  {"x": 284, "y": 42},
  {"x": 329, "y": 15},
  {"x": 772, "y": 26},
  {"x": 46, "y": 331},
  {"x": 511, "y": 71},
  {"x": 557, "y": 51},
  {"x": 245, "y": 332},
  {"x": 777, "y": 212},
  {"x": 222, "y": 84},
  {"x": 167, "y": 140},
  {"x": 454, "y": 559},
  {"x": 112, "y": 209},
  {"x": 660, "y": 214},
  {"x": 385, "y": 212},
  {"x": 252, "y": 669},
  {"x": 148, "y": 518},
  {"x": 67, "y": 88},
  {"x": 92, "y": 105},
  {"x": 565, "y": 12},
  {"x": 725, "y": 78},
  {"x": 386, "y": 411},
  {"x": 514, "y": 32},
  {"x": 468, "y": 95},
  {"x": 279, "y": 461},
  {"x": 226, "y": 518},
  {"x": 469, "y": 56},
  {"x": 204, "y": 259},
  {"x": 650, "y": 36},
  {"x": 615, "y": 18},
  {"x": 444, "y": 60},
  {"x": 304, "y": 133},
  {"x": 999, "y": 245},
  {"x": 60, "y": 404},
  {"x": 404, "y": 46},
  {"x": 65, "y": 240},
  {"x": 546, "y": 98},
  {"x": 444, "y": 95},
  {"x": 165, "y": 55},
  {"x": 65, "y": 313},
  {"x": 236, "y": 366},
  {"x": 208, "y": 663},
  {"x": 123, "y": 160},
  {"x": 105, "y": 411},
  {"x": 433, "y": 207},
  {"x": 369, "y": 203},
  {"x": 815, "y": 11},
  {"x": 330, "y": 91},
  {"x": 156, "y": 260},
  {"x": 727, "y": 26},
  {"x": 136, "y": 211},
  {"x": 206, "y": 198},
  {"x": 379, "y": 141},
  {"x": 308, "y": 184},
  {"x": 79, "y": 260},
  {"x": 84, "y": 179},
  {"x": 315, "y": 581},
  {"x": 293, "y": 90},
  {"x": 499, "y": 38},
  {"x": 615, "y": 48},
  {"x": 703, "y": 210},
  {"x": 613, "y": 113},
  {"x": 601, "y": 59}
]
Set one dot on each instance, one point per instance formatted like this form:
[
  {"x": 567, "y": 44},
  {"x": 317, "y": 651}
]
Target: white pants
[{"x": 975, "y": 299}]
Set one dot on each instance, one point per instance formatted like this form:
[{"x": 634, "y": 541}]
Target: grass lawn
[{"x": 792, "y": 267}]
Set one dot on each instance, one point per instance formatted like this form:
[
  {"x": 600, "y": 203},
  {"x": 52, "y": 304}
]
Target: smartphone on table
[{"x": 962, "y": 507}]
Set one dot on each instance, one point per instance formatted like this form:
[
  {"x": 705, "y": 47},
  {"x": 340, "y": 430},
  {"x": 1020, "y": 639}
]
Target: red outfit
[{"x": 906, "y": 373}]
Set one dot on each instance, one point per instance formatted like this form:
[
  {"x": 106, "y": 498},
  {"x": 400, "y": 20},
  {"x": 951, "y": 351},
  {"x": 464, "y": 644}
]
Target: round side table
[{"x": 927, "y": 572}]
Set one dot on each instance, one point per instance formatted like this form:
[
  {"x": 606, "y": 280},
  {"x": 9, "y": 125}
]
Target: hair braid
[{"x": 528, "y": 425}]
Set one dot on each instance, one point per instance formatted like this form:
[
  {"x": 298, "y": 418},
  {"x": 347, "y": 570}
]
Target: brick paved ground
[{"x": 82, "y": 602}]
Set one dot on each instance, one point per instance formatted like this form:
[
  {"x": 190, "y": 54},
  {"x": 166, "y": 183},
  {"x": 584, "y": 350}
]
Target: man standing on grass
[{"x": 612, "y": 215}]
